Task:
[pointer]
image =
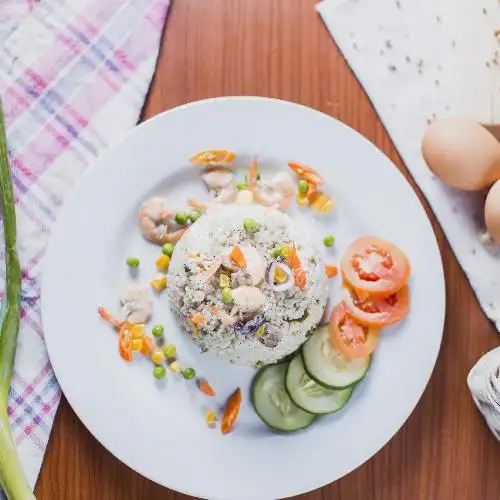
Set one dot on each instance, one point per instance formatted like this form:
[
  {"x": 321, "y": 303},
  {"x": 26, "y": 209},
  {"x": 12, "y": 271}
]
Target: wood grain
[{"x": 280, "y": 48}]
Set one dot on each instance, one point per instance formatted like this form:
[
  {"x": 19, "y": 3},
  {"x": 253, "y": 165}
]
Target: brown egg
[
  {"x": 492, "y": 212},
  {"x": 462, "y": 153}
]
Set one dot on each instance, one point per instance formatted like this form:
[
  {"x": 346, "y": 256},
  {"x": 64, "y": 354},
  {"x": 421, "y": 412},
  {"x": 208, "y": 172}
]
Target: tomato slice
[
  {"x": 375, "y": 310},
  {"x": 348, "y": 337},
  {"x": 375, "y": 266}
]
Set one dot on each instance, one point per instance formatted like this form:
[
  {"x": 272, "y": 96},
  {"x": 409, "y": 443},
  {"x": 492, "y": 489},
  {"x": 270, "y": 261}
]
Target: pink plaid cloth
[{"x": 73, "y": 78}]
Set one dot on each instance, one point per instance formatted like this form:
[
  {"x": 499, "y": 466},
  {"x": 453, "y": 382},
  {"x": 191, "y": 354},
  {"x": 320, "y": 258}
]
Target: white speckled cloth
[{"x": 419, "y": 60}]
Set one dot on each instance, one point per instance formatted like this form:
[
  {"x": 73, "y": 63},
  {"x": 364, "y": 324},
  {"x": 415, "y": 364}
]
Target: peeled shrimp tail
[
  {"x": 253, "y": 172},
  {"x": 198, "y": 205},
  {"x": 172, "y": 237}
]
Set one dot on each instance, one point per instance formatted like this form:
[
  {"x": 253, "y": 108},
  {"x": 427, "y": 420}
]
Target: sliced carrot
[
  {"x": 205, "y": 388},
  {"x": 198, "y": 319},
  {"x": 147, "y": 345},
  {"x": 331, "y": 271},
  {"x": 125, "y": 342},
  {"x": 231, "y": 411},
  {"x": 237, "y": 256}
]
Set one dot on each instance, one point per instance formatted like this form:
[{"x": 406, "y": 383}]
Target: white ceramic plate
[{"x": 159, "y": 429}]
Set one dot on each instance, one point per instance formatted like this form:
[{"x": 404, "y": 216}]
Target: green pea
[
  {"x": 167, "y": 249},
  {"x": 241, "y": 186},
  {"x": 181, "y": 218},
  {"x": 251, "y": 225},
  {"x": 303, "y": 186},
  {"x": 158, "y": 331},
  {"x": 276, "y": 252},
  {"x": 133, "y": 262},
  {"x": 170, "y": 351},
  {"x": 227, "y": 295},
  {"x": 189, "y": 373},
  {"x": 329, "y": 241},
  {"x": 194, "y": 215},
  {"x": 159, "y": 372}
]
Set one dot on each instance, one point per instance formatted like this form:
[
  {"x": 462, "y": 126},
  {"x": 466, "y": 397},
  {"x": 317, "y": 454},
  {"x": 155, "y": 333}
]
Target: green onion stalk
[{"x": 12, "y": 477}]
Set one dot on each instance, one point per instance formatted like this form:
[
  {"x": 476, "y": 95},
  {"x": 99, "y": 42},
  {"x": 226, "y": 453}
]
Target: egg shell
[
  {"x": 462, "y": 153},
  {"x": 492, "y": 212}
]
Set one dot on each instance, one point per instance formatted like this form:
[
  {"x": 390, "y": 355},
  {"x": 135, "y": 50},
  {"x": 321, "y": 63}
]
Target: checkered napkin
[{"x": 73, "y": 78}]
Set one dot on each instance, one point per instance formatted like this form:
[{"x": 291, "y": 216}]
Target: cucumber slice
[
  {"x": 329, "y": 368},
  {"x": 272, "y": 403},
  {"x": 309, "y": 395}
]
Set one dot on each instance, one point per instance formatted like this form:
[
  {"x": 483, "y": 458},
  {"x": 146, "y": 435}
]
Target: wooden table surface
[{"x": 280, "y": 48}]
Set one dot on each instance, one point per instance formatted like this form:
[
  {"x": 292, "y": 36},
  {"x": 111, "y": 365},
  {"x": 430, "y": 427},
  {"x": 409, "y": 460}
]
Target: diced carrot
[
  {"x": 198, "y": 319},
  {"x": 331, "y": 271},
  {"x": 237, "y": 256},
  {"x": 206, "y": 388},
  {"x": 231, "y": 411}
]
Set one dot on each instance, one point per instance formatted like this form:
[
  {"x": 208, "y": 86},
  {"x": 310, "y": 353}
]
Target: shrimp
[
  {"x": 218, "y": 178},
  {"x": 154, "y": 219},
  {"x": 253, "y": 172},
  {"x": 137, "y": 303},
  {"x": 248, "y": 299},
  {"x": 228, "y": 193},
  {"x": 225, "y": 318},
  {"x": 307, "y": 173}
]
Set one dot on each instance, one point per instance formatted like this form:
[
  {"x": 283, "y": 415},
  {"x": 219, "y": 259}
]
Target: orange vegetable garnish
[
  {"x": 206, "y": 388},
  {"x": 237, "y": 256},
  {"x": 198, "y": 319},
  {"x": 231, "y": 411},
  {"x": 331, "y": 271},
  {"x": 212, "y": 157},
  {"x": 125, "y": 341},
  {"x": 307, "y": 173},
  {"x": 147, "y": 345}
]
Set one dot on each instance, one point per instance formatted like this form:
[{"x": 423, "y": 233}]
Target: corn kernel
[
  {"x": 137, "y": 344},
  {"x": 159, "y": 283},
  {"x": 280, "y": 276},
  {"x": 138, "y": 331},
  {"x": 157, "y": 357},
  {"x": 162, "y": 263},
  {"x": 211, "y": 418},
  {"x": 302, "y": 199},
  {"x": 224, "y": 281},
  {"x": 175, "y": 366}
]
